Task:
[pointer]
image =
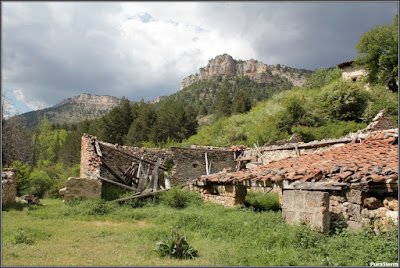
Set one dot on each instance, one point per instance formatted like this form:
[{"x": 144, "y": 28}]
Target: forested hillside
[{"x": 244, "y": 112}]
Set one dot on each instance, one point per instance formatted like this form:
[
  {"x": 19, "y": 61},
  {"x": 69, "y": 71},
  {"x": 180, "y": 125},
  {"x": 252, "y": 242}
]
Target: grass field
[{"x": 91, "y": 233}]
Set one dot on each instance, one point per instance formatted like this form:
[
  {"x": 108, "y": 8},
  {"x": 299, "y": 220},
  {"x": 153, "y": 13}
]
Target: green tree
[
  {"x": 322, "y": 77},
  {"x": 378, "y": 54},
  {"x": 142, "y": 128},
  {"x": 117, "y": 122},
  {"x": 344, "y": 100},
  {"x": 171, "y": 122},
  {"x": 241, "y": 102},
  {"x": 223, "y": 103}
]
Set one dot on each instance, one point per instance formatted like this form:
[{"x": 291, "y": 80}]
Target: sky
[{"x": 141, "y": 50}]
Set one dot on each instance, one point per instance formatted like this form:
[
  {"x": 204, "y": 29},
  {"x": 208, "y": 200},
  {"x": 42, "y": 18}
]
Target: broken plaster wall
[{"x": 8, "y": 185}]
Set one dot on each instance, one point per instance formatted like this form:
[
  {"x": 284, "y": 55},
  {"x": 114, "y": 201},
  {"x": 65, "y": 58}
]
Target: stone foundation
[
  {"x": 228, "y": 195},
  {"x": 310, "y": 207},
  {"x": 81, "y": 188},
  {"x": 8, "y": 185}
]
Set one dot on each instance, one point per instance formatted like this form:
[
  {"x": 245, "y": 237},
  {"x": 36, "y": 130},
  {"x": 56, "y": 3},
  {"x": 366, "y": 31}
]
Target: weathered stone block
[
  {"x": 372, "y": 203},
  {"x": 81, "y": 188},
  {"x": 8, "y": 185},
  {"x": 355, "y": 196},
  {"x": 391, "y": 203},
  {"x": 311, "y": 207}
]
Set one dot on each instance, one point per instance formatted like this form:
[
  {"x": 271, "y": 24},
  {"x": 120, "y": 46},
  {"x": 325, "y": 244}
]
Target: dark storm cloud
[
  {"x": 56, "y": 50},
  {"x": 327, "y": 32}
]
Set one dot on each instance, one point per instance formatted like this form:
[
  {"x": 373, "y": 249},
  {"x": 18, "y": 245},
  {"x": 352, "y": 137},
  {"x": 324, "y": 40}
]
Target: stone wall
[
  {"x": 228, "y": 195},
  {"x": 90, "y": 157},
  {"x": 190, "y": 163},
  {"x": 8, "y": 185},
  {"x": 356, "y": 208},
  {"x": 87, "y": 187},
  {"x": 187, "y": 163},
  {"x": 310, "y": 207}
]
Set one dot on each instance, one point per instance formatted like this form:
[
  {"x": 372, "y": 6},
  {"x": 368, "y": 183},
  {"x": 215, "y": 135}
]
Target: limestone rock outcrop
[{"x": 257, "y": 71}]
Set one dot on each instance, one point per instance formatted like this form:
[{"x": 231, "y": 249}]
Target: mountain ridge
[
  {"x": 256, "y": 70},
  {"x": 72, "y": 110}
]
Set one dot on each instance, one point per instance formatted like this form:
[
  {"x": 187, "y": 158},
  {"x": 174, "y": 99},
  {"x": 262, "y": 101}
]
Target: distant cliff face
[
  {"x": 258, "y": 71},
  {"x": 72, "y": 110},
  {"x": 101, "y": 101}
]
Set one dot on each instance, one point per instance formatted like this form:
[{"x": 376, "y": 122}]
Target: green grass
[{"x": 94, "y": 233}]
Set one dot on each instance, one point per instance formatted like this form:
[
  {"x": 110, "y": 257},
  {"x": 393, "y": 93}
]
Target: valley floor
[{"x": 87, "y": 233}]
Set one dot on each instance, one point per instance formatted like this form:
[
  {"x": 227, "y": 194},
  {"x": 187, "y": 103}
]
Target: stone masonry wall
[
  {"x": 310, "y": 207},
  {"x": 356, "y": 208},
  {"x": 88, "y": 187},
  {"x": 90, "y": 158},
  {"x": 8, "y": 185},
  {"x": 228, "y": 195},
  {"x": 188, "y": 163}
]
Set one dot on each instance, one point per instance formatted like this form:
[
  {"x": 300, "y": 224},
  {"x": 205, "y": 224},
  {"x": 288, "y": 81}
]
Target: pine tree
[{"x": 241, "y": 102}]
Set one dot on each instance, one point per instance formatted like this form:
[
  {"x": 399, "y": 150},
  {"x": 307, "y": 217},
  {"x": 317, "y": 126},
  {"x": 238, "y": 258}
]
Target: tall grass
[{"x": 92, "y": 232}]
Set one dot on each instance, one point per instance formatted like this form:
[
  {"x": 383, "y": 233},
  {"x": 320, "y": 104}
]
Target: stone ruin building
[
  {"x": 8, "y": 185},
  {"x": 350, "y": 71},
  {"x": 105, "y": 162},
  {"x": 352, "y": 180}
]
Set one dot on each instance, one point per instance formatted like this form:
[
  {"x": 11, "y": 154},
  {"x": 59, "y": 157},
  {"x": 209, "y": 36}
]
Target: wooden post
[
  {"x": 296, "y": 146},
  {"x": 155, "y": 174},
  {"x": 167, "y": 181},
  {"x": 259, "y": 154},
  {"x": 207, "y": 171}
]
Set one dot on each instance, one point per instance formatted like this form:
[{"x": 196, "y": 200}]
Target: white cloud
[
  {"x": 56, "y": 50},
  {"x": 31, "y": 103}
]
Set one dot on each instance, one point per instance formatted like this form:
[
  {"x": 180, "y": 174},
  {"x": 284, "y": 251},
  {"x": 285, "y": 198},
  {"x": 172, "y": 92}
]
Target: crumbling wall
[
  {"x": 87, "y": 187},
  {"x": 187, "y": 163},
  {"x": 8, "y": 185},
  {"x": 228, "y": 195},
  {"x": 310, "y": 207},
  {"x": 381, "y": 121},
  {"x": 190, "y": 163},
  {"x": 90, "y": 157}
]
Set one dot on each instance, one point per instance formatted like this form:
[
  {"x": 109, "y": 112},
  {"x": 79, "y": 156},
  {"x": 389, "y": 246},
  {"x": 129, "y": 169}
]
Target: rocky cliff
[
  {"x": 89, "y": 100},
  {"x": 225, "y": 65},
  {"x": 72, "y": 110}
]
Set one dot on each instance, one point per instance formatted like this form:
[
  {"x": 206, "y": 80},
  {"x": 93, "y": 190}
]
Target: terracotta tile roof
[{"x": 374, "y": 158}]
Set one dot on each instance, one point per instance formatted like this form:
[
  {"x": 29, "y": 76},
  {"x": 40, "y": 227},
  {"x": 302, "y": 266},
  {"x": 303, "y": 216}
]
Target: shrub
[
  {"x": 178, "y": 198},
  {"x": 29, "y": 236},
  {"x": 262, "y": 202},
  {"x": 39, "y": 182},
  {"x": 22, "y": 237},
  {"x": 176, "y": 247},
  {"x": 345, "y": 100}
]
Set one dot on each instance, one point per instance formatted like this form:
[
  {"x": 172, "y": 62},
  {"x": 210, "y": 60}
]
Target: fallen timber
[{"x": 143, "y": 194}]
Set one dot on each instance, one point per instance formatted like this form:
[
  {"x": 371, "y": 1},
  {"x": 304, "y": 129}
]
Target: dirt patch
[
  {"x": 107, "y": 223},
  {"x": 142, "y": 224}
]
